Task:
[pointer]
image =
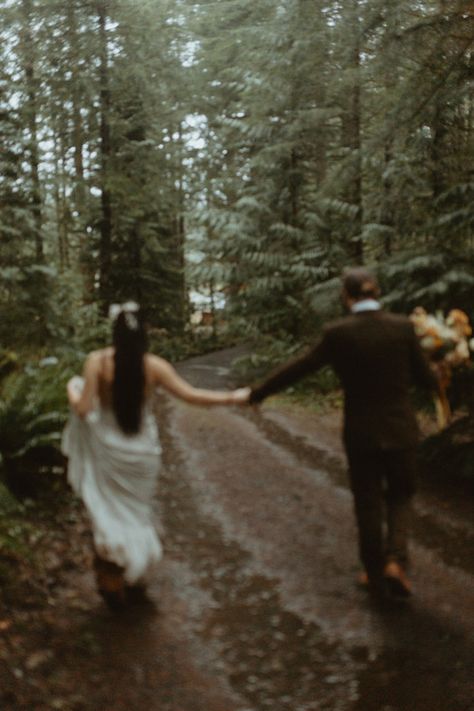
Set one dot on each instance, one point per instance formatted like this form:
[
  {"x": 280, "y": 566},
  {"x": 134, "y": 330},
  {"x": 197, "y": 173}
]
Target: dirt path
[{"x": 256, "y": 606}]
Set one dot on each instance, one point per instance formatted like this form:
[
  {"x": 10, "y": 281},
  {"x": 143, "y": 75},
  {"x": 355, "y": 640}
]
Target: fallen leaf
[{"x": 38, "y": 658}]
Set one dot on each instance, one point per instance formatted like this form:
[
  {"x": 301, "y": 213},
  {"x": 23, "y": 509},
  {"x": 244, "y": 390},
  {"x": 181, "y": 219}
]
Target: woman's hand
[
  {"x": 240, "y": 396},
  {"x": 74, "y": 389},
  {"x": 81, "y": 392}
]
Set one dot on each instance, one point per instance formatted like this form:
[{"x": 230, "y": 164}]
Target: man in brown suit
[{"x": 377, "y": 357}]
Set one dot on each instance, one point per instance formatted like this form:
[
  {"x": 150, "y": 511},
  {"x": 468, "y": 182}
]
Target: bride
[{"x": 112, "y": 443}]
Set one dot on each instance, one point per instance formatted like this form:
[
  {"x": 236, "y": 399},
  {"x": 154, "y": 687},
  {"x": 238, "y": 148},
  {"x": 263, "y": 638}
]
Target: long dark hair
[{"x": 128, "y": 388}]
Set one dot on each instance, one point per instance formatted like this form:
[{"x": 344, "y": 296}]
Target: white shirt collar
[{"x": 365, "y": 305}]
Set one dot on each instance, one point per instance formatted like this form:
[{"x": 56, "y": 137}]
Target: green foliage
[
  {"x": 32, "y": 415},
  {"x": 27, "y": 297},
  {"x": 432, "y": 280},
  {"x": 341, "y": 133},
  {"x": 269, "y": 353},
  {"x": 191, "y": 343},
  {"x": 15, "y": 550},
  {"x": 8, "y": 362},
  {"x": 13, "y": 530},
  {"x": 274, "y": 143}
]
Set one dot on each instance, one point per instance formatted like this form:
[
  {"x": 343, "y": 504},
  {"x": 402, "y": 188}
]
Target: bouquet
[{"x": 447, "y": 344}]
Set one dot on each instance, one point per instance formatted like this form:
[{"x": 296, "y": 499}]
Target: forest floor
[{"x": 254, "y": 605}]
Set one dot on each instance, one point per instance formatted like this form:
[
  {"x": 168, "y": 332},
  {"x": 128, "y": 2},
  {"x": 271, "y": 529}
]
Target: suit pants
[{"x": 383, "y": 483}]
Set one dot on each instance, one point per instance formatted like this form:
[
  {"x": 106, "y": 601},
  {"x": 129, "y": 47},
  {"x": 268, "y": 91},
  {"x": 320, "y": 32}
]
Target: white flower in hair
[
  {"x": 131, "y": 321},
  {"x": 130, "y": 306},
  {"x": 114, "y": 311},
  {"x": 129, "y": 309}
]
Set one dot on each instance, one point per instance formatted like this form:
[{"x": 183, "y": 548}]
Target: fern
[
  {"x": 33, "y": 412},
  {"x": 435, "y": 281}
]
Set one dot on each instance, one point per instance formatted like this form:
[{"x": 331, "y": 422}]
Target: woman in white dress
[{"x": 112, "y": 443}]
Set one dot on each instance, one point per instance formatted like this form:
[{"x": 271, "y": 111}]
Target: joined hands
[{"x": 240, "y": 396}]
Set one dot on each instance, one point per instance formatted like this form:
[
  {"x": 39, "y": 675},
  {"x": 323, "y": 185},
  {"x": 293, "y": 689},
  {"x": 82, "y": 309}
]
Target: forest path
[{"x": 256, "y": 606}]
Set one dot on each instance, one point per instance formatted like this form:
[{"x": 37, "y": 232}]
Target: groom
[{"x": 377, "y": 358}]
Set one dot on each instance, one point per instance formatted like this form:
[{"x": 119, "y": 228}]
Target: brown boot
[
  {"x": 110, "y": 582},
  {"x": 396, "y": 579},
  {"x": 374, "y": 585}
]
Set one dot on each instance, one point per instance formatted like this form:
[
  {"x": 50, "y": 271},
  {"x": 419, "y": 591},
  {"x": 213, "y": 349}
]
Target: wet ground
[{"x": 254, "y": 605}]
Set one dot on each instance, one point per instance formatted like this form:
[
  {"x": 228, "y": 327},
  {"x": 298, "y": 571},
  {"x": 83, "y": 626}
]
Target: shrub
[{"x": 33, "y": 412}]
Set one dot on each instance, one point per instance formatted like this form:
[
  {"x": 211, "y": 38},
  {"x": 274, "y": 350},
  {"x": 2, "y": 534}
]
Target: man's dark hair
[{"x": 359, "y": 283}]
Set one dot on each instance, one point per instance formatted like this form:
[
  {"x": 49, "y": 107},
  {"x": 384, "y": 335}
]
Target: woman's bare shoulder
[
  {"x": 156, "y": 362},
  {"x": 157, "y": 367},
  {"x": 96, "y": 358}
]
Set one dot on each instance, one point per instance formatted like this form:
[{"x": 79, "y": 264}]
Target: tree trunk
[
  {"x": 438, "y": 131},
  {"x": 32, "y": 123},
  {"x": 319, "y": 137},
  {"x": 136, "y": 259},
  {"x": 386, "y": 217},
  {"x": 105, "y": 244},
  {"x": 78, "y": 132},
  {"x": 352, "y": 134},
  {"x": 59, "y": 192},
  {"x": 180, "y": 234}
]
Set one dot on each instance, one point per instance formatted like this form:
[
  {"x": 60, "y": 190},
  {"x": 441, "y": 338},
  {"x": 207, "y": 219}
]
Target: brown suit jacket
[{"x": 378, "y": 358}]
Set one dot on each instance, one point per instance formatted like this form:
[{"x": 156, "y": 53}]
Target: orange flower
[{"x": 459, "y": 322}]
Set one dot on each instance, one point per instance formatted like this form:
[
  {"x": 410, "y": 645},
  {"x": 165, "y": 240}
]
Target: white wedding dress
[{"x": 115, "y": 475}]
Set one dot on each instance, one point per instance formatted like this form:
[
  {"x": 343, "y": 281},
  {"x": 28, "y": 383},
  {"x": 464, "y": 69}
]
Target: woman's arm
[
  {"x": 82, "y": 400},
  {"x": 162, "y": 373}
]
